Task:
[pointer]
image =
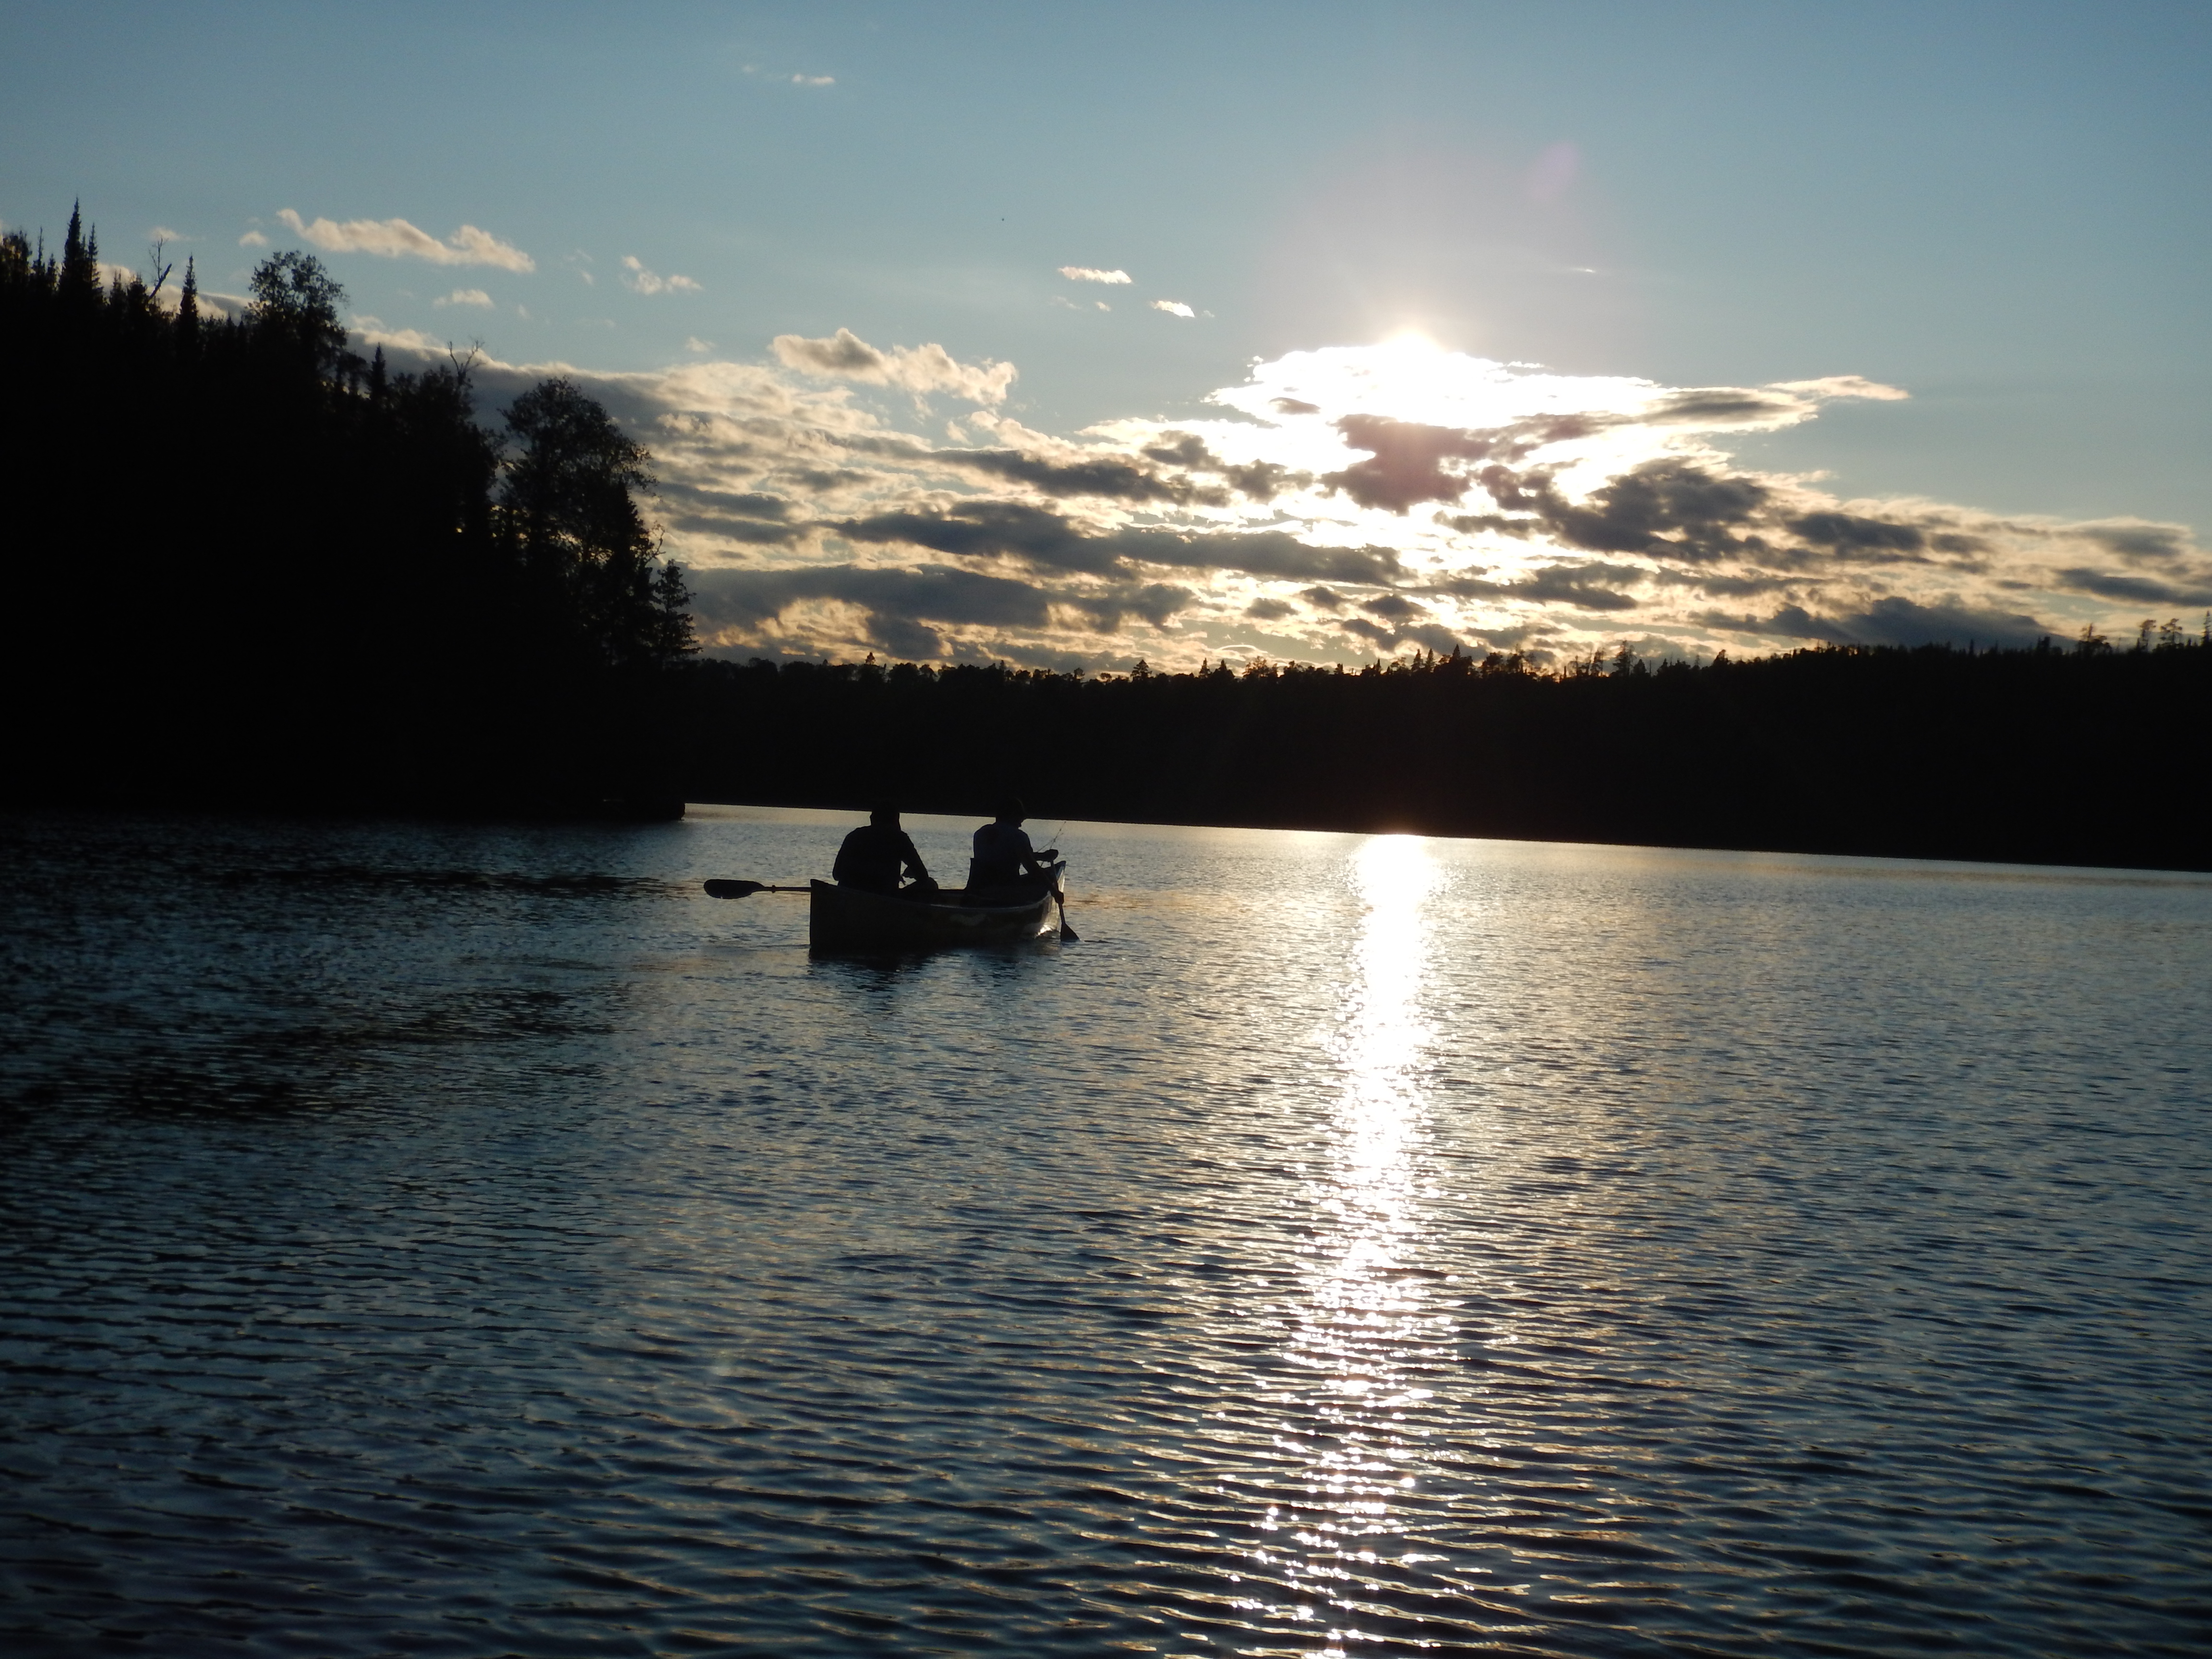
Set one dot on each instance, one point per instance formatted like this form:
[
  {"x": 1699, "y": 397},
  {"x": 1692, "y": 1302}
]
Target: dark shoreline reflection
[{"x": 465, "y": 1240}]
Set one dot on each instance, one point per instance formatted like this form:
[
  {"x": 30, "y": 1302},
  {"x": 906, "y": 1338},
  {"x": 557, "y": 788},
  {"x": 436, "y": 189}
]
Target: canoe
[{"x": 848, "y": 919}]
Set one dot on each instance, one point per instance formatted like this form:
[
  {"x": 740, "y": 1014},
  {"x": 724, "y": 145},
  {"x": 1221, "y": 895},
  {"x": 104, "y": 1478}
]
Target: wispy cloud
[
  {"x": 799, "y": 80},
  {"x": 163, "y": 234},
  {"x": 923, "y": 368},
  {"x": 1090, "y": 274},
  {"x": 464, "y": 297},
  {"x": 395, "y": 238},
  {"x": 1173, "y": 308},
  {"x": 253, "y": 239},
  {"x": 694, "y": 343},
  {"x": 647, "y": 282}
]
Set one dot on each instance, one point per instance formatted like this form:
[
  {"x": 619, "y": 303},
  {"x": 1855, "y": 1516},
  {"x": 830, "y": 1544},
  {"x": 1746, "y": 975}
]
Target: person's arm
[
  {"x": 1034, "y": 862},
  {"x": 910, "y": 859}
]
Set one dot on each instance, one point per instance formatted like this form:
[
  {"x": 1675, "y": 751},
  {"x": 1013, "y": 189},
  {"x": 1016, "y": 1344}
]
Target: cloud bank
[
  {"x": 395, "y": 238},
  {"x": 1339, "y": 505}
]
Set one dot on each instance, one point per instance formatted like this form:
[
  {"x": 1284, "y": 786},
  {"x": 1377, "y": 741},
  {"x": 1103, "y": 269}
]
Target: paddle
[
  {"x": 747, "y": 889},
  {"x": 1066, "y": 931}
]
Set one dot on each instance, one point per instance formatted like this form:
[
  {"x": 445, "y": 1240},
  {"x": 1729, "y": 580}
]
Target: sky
[{"x": 1074, "y": 335}]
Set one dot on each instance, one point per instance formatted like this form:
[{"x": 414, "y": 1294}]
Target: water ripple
[{"x": 455, "y": 1241}]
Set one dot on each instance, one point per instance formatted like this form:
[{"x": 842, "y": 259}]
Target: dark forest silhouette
[
  {"x": 246, "y": 566},
  {"x": 2084, "y": 754}
]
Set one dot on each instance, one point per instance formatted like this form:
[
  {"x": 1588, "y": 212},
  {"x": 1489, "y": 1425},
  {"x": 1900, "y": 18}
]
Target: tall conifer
[{"x": 188, "y": 308}]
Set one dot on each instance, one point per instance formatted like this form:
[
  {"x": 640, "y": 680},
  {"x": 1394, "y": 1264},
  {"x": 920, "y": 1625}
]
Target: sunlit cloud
[
  {"x": 1090, "y": 274},
  {"x": 395, "y": 238},
  {"x": 647, "y": 282},
  {"x": 253, "y": 239},
  {"x": 464, "y": 297},
  {"x": 923, "y": 368},
  {"x": 1339, "y": 505},
  {"x": 1173, "y": 308},
  {"x": 374, "y": 334}
]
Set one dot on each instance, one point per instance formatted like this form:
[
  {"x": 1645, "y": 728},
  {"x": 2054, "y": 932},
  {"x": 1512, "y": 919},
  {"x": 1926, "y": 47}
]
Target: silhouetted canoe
[{"x": 847, "y": 919}]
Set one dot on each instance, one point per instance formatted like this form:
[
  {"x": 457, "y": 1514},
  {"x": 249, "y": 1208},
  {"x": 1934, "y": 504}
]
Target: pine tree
[
  {"x": 80, "y": 282},
  {"x": 188, "y": 310}
]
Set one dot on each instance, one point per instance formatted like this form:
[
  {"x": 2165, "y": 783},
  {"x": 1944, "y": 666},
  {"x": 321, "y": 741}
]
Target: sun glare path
[{"x": 1368, "y": 1324}]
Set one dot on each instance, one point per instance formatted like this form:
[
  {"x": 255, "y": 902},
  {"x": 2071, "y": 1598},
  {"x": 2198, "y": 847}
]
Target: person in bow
[{"x": 875, "y": 855}]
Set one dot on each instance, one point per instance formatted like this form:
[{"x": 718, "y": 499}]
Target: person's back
[
  {"x": 873, "y": 855},
  {"x": 1004, "y": 857}
]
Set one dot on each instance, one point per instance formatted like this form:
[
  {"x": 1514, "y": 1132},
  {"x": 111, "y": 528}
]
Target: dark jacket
[
  {"x": 872, "y": 857},
  {"x": 1003, "y": 855}
]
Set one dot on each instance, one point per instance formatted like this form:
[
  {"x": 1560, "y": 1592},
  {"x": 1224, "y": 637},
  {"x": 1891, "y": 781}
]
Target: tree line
[
  {"x": 2077, "y": 754},
  {"x": 246, "y": 566}
]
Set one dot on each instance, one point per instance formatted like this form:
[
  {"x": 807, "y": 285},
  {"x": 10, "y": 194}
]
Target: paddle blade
[{"x": 736, "y": 889}]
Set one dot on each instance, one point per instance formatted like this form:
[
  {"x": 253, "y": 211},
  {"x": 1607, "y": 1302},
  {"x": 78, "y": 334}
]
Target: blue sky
[{"x": 1999, "y": 209}]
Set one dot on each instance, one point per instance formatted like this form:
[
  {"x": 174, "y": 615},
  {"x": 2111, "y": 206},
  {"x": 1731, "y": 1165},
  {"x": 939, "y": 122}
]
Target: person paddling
[
  {"x": 1004, "y": 857},
  {"x": 874, "y": 855}
]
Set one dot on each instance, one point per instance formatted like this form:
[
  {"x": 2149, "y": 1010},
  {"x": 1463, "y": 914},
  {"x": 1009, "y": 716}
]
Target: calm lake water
[{"x": 451, "y": 1241}]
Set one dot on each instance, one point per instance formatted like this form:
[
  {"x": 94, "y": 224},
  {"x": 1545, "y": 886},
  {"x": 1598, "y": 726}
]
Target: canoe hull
[{"x": 846, "y": 919}]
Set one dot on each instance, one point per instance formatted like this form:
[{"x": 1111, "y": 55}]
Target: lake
[{"x": 440, "y": 1240}]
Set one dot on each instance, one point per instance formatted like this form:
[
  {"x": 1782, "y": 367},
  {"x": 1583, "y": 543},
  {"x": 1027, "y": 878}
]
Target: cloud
[
  {"x": 1406, "y": 464},
  {"x": 1895, "y": 620},
  {"x": 794, "y": 80},
  {"x": 1173, "y": 308},
  {"x": 1349, "y": 500},
  {"x": 1105, "y": 478},
  {"x": 1089, "y": 274},
  {"x": 925, "y": 368},
  {"x": 2142, "y": 543},
  {"x": 1048, "y": 540},
  {"x": 905, "y": 611},
  {"x": 1844, "y": 386},
  {"x": 647, "y": 282},
  {"x": 253, "y": 239},
  {"x": 693, "y": 343},
  {"x": 373, "y": 333},
  {"x": 464, "y": 297},
  {"x": 2135, "y": 590},
  {"x": 163, "y": 234},
  {"x": 395, "y": 238}
]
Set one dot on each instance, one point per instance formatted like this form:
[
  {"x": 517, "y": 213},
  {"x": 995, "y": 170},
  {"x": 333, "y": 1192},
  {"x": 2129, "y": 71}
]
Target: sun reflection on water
[{"x": 1369, "y": 1325}]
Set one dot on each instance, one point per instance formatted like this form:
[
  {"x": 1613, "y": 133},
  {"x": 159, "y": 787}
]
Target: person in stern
[
  {"x": 874, "y": 855},
  {"x": 1006, "y": 868}
]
